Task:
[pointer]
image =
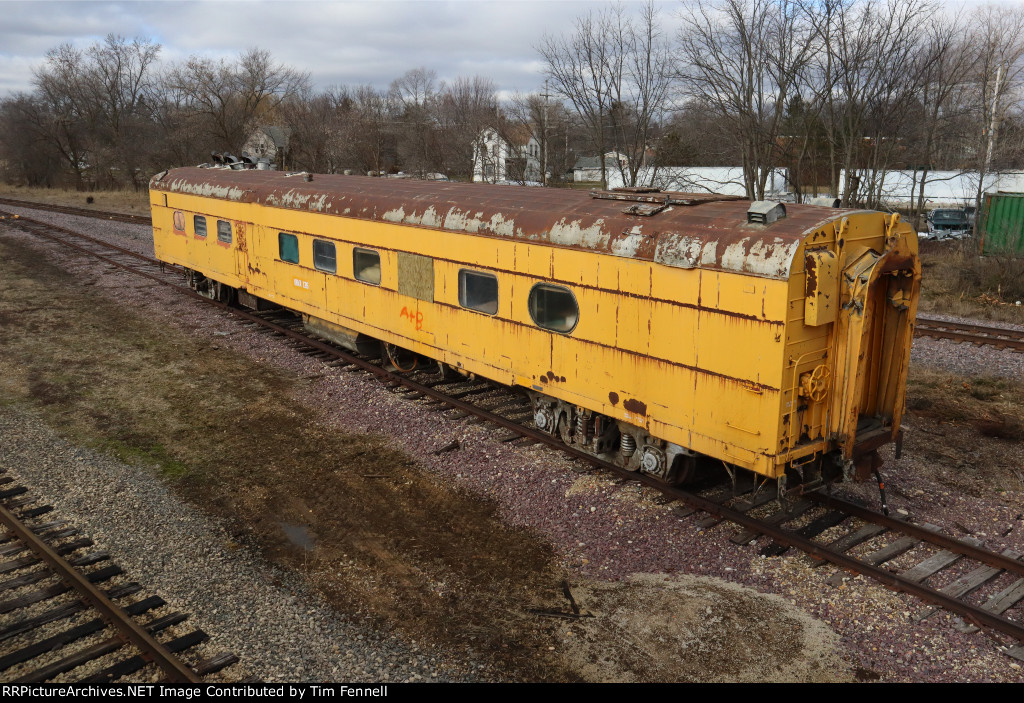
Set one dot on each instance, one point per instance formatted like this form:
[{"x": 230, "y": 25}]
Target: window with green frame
[{"x": 288, "y": 247}]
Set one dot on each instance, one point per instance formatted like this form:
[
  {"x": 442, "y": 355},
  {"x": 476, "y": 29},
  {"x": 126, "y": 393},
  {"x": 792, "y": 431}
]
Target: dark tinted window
[
  {"x": 288, "y": 246},
  {"x": 223, "y": 231},
  {"x": 554, "y": 308},
  {"x": 200, "y": 225},
  {"x": 366, "y": 266},
  {"x": 324, "y": 257},
  {"x": 478, "y": 291}
]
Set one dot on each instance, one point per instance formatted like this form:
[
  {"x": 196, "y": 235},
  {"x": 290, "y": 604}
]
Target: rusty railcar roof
[{"x": 713, "y": 235}]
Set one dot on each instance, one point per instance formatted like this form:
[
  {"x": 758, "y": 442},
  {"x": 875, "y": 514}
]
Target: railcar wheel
[
  {"x": 209, "y": 288},
  {"x": 684, "y": 470},
  {"x": 403, "y": 360}
]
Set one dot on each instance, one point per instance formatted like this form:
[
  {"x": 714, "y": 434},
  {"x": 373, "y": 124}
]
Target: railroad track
[
  {"x": 69, "y": 613},
  {"x": 982, "y": 586},
  {"x": 998, "y": 337},
  {"x": 81, "y": 211}
]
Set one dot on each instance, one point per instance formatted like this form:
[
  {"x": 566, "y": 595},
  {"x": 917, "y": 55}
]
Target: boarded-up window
[
  {"x": 366, "y": 266},
  {"x": 288, "y": 246},
  {"x": 554, "y": 308},
  {"x": 324, "y": 256},
  {"x": 200, "y": 224},
  {"x": 223, "y": 231},
  {"x": 478, "y": 291},
  {"x": 416, "y": 276}
]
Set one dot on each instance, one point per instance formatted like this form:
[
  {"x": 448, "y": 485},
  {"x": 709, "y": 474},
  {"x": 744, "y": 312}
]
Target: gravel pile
[{"x": 607, "y": 530}]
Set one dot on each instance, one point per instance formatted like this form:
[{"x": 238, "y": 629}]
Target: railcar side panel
[{"x": 760, "y": 369}]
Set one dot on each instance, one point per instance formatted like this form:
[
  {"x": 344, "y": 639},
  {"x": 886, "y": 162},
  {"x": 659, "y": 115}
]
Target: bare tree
[
  {"x": 640, "y": 96},
  {"x": 27, "y": 149},
  {"x": 999, "y": 80},
  {"x": 462, "y": 110},
  {"x": 374, "y": 142},
  {"x": 414, "y": 94},
  {"x": 115, "y": 79},
  {"x": 60, "y": 113},
  {"x": 744, "y": 59},
  {"x": 869, "y": 82},
  {"x": 582, "y": 67},
  {"x": 945, "y": 64},
  {"x": 235, "y": 97}
]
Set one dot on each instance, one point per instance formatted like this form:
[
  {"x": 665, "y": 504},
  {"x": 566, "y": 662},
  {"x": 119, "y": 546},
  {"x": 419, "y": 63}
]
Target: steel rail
[
  {"x": 972, "y": 613},
  {"x": 952, "y": 544},
  {"x": 932, "y": 322},
  {"x": 82, "y": 212},
  {"x": 129, "y": 630},
  {"x": 992, "y": 336}
]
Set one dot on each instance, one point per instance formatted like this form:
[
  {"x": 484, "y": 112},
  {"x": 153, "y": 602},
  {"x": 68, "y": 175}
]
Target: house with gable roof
[{"x": 511, "y": 154}]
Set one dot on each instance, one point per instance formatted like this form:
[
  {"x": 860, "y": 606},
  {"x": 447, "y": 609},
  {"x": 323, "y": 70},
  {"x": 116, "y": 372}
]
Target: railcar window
[
  {"x": 200, "y": 224},
  {"x": 478, "y": 291},
  {"x": 223, "y": 231},
  {"x": 288, "y": 246},
  {"x": 366, "y": 266},
  {"x": 324, "y": 256},
  {"x": 554, "y": 308}
]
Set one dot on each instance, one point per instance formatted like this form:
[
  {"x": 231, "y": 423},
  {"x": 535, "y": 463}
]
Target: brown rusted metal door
[{"x": 241, "y": 254}]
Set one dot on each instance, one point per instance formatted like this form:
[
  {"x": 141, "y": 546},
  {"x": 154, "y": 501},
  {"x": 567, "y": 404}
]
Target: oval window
[{"x": 554, "y": 308}]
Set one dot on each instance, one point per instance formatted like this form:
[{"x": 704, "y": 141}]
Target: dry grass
[
  {"x": 956, "y": 281},
  {"x": 993, "y": 405},
  {"x": 128, "y": 202}
]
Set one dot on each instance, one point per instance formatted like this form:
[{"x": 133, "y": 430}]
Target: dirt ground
[
  {"x": 968, "y": 431},
  {"x": 425, "y": 560}
]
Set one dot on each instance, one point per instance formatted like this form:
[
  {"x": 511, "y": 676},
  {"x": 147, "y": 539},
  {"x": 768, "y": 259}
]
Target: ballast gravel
[
  {"x": 603, "y": 529},
  {"x": 267, "y": 616}
]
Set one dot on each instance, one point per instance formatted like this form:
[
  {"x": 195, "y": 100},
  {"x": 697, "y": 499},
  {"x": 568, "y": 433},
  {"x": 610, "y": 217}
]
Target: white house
[
  {"x": 511, "y": 155},
  {"x": 269, "y": 142}
]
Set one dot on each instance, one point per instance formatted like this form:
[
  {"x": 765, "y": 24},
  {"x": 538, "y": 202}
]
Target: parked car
[{"x": 948, "y": 223}]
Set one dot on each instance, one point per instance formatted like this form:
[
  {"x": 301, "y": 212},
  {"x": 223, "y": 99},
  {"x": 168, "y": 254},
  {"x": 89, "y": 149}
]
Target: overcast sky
[{"x": 337, "y": 42}]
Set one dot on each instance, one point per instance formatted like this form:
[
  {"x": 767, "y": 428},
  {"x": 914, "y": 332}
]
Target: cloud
[{"x": 336, "y": 42}]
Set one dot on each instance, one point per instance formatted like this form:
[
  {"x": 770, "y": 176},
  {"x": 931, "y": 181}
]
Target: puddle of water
[{"x": 298, "y": 535}]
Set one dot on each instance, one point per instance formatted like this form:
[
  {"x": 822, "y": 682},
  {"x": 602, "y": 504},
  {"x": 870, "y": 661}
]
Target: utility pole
[
  {"x": 544, "y": 134},
  {"x": 993, "y": 123}
]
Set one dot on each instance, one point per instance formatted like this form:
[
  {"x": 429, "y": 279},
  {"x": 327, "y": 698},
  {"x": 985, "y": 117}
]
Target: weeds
[
  {"x": 956, "y": 280},
  {"x": 993, "y": 405}
]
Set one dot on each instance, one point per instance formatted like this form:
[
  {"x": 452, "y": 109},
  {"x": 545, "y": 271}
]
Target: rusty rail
[
  {"x": 129, "y": 630},
  {"x": 999, "y": 337},
  {"x": 80, "y": 211}
]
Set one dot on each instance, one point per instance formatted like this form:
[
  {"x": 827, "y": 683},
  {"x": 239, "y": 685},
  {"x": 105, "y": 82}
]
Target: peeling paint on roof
[
  {"x": 710, "y": 235},
  {"x": 206, "y": 190}
]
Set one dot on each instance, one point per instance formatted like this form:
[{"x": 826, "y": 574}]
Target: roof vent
[{"x": 765, "y": 212}]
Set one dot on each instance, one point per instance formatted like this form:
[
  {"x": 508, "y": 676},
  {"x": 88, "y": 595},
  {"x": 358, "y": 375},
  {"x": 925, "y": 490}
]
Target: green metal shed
[{"x": 1001, "y": 228}]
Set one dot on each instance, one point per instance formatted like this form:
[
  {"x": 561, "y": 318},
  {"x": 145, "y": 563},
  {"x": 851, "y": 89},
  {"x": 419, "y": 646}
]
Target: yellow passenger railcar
[{"x": 649, "y": 328}]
